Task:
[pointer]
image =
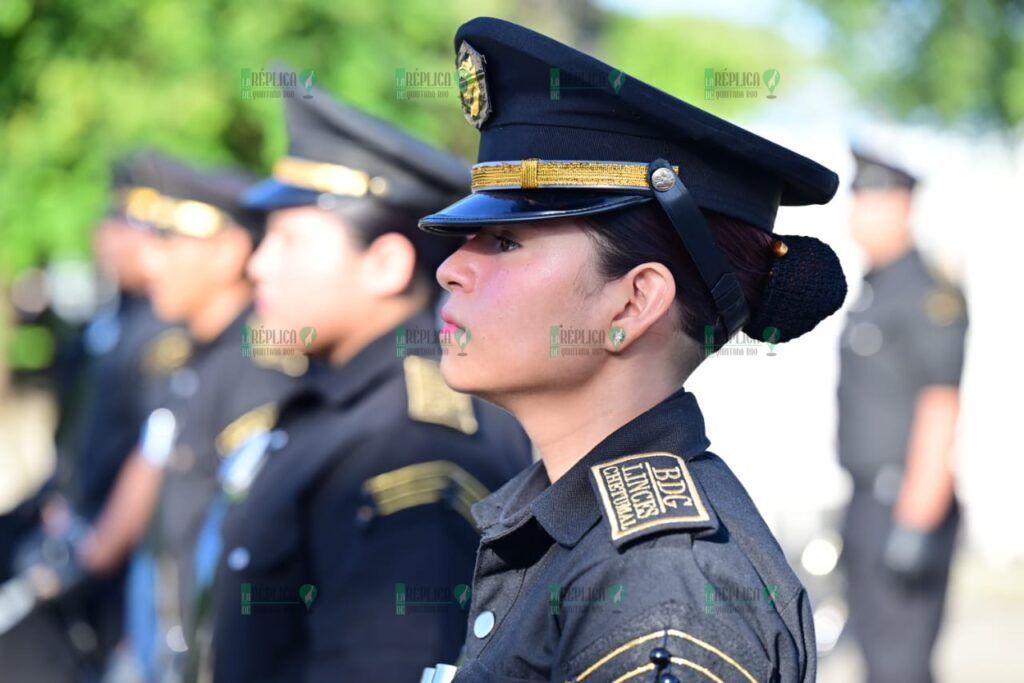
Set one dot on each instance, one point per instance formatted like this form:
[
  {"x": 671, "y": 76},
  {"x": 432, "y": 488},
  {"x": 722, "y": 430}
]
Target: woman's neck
[
  {"x": 219, "y": 311},
  {"x": 566, "y": 423}
]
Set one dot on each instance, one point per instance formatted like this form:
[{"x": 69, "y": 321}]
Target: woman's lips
[{"x": 449, "y": 319}]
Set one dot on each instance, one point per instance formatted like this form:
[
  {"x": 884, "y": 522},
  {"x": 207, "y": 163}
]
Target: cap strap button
[{"x": 663, "y": 179}]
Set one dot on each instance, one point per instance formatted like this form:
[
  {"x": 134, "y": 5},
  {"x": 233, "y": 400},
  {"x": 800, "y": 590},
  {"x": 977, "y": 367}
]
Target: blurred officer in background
[
  {"x": 118, "y": 395},
  {"x": 901, "y": 359},
  {"x": 346, "y": 545},
  {"x": 215, "y": 397}
]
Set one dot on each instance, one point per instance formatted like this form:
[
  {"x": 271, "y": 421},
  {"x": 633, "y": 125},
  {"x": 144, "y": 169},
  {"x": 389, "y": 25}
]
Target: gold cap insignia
[
  {"x": 649, "y": 491},
  {"x": 476, "y": 101}
]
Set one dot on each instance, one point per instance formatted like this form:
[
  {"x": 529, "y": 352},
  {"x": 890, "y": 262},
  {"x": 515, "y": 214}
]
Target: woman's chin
[{"x": 460, "y": 375}]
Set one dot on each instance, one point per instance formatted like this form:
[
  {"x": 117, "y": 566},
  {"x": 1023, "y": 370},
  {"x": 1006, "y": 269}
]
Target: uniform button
[
  {"x": 483, "y": 624},
  {"x": 278, "y": 439},
  {"x": 238, "y": 559}
]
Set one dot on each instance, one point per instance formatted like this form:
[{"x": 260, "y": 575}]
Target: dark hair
[
  {"x": 786, "y": 295},
  {"x": 370, "y": 219},
  {"x": 641, "y": 234}
]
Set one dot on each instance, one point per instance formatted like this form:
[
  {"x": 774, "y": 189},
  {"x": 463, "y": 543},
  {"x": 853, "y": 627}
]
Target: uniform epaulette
[
  {"x": 647, "y": 493},
  {"x": 166, "y": 352},
  {"x": 259, "y": 419},
  {"x": 431, "y": 400}
]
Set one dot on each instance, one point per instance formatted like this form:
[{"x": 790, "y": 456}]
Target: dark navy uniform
[
  {"x": 121, "y": 395},
  {"x": 648, "y": 542},
  {"x": 647, "y": 560},
  {"x": 220, "y": 399},
  {"x": 904, "y": 333},
  {"x": 364, "y": 494}
]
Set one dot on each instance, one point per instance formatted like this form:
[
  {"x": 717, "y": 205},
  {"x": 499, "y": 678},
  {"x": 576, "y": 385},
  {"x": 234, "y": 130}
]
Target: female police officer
[
  {"x": 617, "y": 234},
  {"x": 347, "y": 545}
]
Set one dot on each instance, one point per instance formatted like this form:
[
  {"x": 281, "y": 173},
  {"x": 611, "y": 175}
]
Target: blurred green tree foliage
[
  {"x": 86, "y": 82},
  {"x": 947, "y": 61}
]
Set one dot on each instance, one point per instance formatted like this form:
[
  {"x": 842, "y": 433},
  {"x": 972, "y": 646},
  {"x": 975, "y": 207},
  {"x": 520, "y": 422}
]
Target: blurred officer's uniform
[
  {"x": 361, "y": 493},
  {"x": 647, "y": 560},
  {"x": 904, "y": 333},
  {"x": 217, "y": 396}
]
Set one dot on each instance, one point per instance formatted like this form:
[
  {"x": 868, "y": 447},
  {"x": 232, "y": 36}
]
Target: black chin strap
[{"x": 689, "y": 223}]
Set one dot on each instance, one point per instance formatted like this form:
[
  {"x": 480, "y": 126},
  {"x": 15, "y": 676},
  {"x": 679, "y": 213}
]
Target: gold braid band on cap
[
  {"x": 530, "y": 174},
  {"x": 183, "y": 216},
  {"x": 329, "y": 178}
]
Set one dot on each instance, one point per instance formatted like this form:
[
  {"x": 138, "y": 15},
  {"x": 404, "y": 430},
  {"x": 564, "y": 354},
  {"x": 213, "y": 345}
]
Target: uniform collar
[
  {"x": 339, "y": 385},
  {"x": 911, "y": 258},
  {"x": 567, "y": 509}
]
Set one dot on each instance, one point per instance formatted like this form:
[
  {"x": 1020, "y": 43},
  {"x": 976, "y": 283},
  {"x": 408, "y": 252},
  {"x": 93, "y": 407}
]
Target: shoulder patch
[
  {"x": 259, "y": 419},
  {"x": 649, "y": 492},
  {"x": 431, "y": 400},
  {"x": 944, "y": 306},
  {"x": 166, "y": 352}
]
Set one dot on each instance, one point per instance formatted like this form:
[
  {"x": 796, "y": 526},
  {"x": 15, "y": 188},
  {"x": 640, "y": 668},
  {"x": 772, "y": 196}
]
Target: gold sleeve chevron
[
  {"x": 259, "y": 419},
  {"x": 423, "y": 484}
]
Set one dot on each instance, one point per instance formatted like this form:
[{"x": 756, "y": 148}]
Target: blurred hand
[{"x": 910, "y": 553}]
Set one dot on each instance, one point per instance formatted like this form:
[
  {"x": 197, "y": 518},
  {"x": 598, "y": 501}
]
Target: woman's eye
[{"x": 506, "y": 244}]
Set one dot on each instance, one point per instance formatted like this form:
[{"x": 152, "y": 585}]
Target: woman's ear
[
  {"x": 388, "y": 265},
  {"x": 646, "y": 295}
]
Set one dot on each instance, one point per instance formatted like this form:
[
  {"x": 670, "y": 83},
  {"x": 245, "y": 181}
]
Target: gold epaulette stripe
[
  {"x": 675, "y": 660},
  {"x": 184, "y": 216},
  {"x": 327, "y": 177},
  {"x": 636, "y": 642},
  {"x": 431, "y": 400},
  {"x": 260, "y": 418},
  {"x": 531, "y": 174},
  {"x": 424, "y": 483}
]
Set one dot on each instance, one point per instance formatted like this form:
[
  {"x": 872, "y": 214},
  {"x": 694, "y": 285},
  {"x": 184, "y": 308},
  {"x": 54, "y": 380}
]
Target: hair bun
[{"x": 806, "y": 286}]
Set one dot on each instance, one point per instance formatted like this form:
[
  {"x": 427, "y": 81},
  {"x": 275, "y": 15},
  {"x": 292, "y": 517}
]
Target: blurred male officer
[
  {"x": 901, "y": 359},
  {"x": 216, "y": 396},
  {"x": 347, "y": 545}
]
